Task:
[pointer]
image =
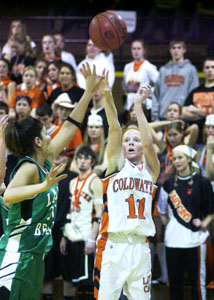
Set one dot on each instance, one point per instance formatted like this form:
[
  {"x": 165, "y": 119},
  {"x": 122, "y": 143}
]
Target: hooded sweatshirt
[{"x": 174, "y": 83}]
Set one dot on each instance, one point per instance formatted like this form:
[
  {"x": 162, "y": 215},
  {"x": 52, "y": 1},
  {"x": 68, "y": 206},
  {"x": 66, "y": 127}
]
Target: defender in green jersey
[{"x": 32, "y": 196}]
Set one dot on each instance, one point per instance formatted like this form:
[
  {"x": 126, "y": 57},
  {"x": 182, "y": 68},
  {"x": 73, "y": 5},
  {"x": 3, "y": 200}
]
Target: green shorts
[{"x": 21, "y": 275}]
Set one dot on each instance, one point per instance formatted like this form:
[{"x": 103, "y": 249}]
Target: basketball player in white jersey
[
  {"x": 123, "y": 256},
  {"x": 86, "y": 210}
]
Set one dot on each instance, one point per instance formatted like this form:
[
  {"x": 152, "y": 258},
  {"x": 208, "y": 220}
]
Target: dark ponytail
[{"x": 20, "y": 136}]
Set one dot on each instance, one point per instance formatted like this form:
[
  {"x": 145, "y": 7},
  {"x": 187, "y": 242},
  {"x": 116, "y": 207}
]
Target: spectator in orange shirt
[
  {"x": 7, "y": 86},
  {"x": 48, "y": 49},
  {"x": 63, "y": 107},
  {"x": 41, "y": 67},
  {"x": 31, "y": 90}
]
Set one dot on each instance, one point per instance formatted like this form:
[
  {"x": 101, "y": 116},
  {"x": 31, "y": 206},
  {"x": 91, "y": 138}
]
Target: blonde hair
[{"x": 86, "y": 142}]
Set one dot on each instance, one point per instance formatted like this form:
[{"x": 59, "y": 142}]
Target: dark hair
[
  {"x": 73, "y": 72},
  {"x": 177, "y": 126},
  {"x": 208, "y": 58},
  {"x": 20, "y": 136},
  {"x": 177, "y": 41},
  {"x": 25, "y": 98},
  {"x": 87, "y": 152},
  {"x": 4, "y": 106},
  {"x": 56, "y": 63},
  {"x": 44, "y": 110}
]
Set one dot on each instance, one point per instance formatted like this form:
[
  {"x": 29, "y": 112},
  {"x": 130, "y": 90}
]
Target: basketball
[{"x": 108, "y": 30}]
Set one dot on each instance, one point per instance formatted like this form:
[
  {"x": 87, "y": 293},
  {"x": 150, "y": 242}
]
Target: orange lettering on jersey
[
  {"x": 203, "y": 99},
  {"x": 181, "y": 210},
  {"x": 174, "y": 80}
]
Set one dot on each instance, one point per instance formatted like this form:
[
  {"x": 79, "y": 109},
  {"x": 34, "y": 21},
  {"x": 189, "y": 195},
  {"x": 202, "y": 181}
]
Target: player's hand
[
  {"x": 142, "y": 94},
  {"x": 3, "y": 125},
  {"x": 93, "y": 81},
  {"x": 90, "y": 247},
  {"x": 53, "y": 176}
]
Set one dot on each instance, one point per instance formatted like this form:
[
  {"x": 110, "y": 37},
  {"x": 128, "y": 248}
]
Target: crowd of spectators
[{"x": 48, "y": 85}]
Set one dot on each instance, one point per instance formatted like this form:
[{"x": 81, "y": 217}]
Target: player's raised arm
[
  {"x": 74, "y": 120},
  {"x": 3, "y": 124},
  {"x": 145, "y": 133},
  {"x": 114, "y": 132}
]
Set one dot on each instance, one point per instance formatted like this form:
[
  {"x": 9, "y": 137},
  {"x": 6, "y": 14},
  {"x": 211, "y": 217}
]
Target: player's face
[
  {"x": 92, "y": 50},
  {"x": 94, "y": 132},
  {"x": 40, "y": 69},
  {"x": 84, "y": 163},
  {"x": 209, "y": 70},
  {"x": 175, "y": 137},
  {"x": 173, "y": 112},
  {"x": 29, "y": 78},
  {"x": 177, "y": 52},
  {"x": 63, "y": 112},
  {"x": 47, "y": 44},
  {"x": 209, "y": 130},
  {"x": 181, "y": 162},
  {"x": 65, "y": 76},
  {"x": 53, "y": 73},
  {"x": 3, "y": 69},
  {"x": 137, "y": 50},
  {"x": 22, "y": 108},
  {"x": 132, "y": 145}
]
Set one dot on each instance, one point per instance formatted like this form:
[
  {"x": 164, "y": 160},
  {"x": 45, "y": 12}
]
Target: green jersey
[
  {"x": 30, "y": 222},
  {"x": 4, "y": 213}
]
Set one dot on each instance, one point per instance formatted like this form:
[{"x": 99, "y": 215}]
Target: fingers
[
  {"x": 55, "y": 170},
  {"x": 61, "y": 177},
  {"x": 4, "y": 122}
]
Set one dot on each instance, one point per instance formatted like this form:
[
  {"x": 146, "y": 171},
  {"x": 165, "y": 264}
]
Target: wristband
[
  {"x": 76, "y": 123},
  {"x": 92, "y": 241},
  {"x": 97, "y": 220}
]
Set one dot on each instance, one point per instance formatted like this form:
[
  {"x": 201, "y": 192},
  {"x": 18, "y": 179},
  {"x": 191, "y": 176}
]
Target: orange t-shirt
[
  {"x": 37, "y": 96},
  {"x": 76, "y": 141}
]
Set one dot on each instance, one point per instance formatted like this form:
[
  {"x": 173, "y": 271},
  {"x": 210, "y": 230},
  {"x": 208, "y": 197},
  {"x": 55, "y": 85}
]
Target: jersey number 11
[{"x": 132, "y": 210}]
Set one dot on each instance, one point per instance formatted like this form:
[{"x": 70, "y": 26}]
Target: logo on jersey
[
  {"x": 183, "y": 213},
  {"x": 130, "y": 183}
]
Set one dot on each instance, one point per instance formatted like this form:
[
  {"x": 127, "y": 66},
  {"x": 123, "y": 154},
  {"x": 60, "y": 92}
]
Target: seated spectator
[
  {"x": 41, "y": 67},
  {"x": 53, "y": 77},
  {"x": 93, "y": 57},
  {"x": 48, "y": 49},
  {"x": 65, "y": 56},
  {"x": 95, "y": 139},
  {"x": 98, "y": 108},
  {"x": 31, "y": 90},
  {"x": 22, "y": 107},
  {"x": 68, "y": 84},
  {"x": 7, "y": 86},
  {"x": 137, "y": 73},
  {"x": 17, "y": 26},
  {"x": 62, "y": 108},
  {"x": 199, "y": 102},
  {"x": 45, "y": 115},
  {"x": 23, "y": 56}
]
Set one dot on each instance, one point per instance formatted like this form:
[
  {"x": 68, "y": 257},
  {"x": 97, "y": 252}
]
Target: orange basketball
[{"x": 108, "y": 31}]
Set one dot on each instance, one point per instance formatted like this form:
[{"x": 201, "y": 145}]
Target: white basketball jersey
[
  {"x": 129, "y": 196},
  {"x": 81, "y": 215}
]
